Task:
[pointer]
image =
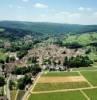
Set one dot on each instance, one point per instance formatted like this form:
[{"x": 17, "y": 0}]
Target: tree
[
  {"x": 2, "y": 61},
  {"x": 54, "y": 63},
  {"x": 24, "y": 81},
  {"x": 2, "y": 81},
  {"x": 7, "y": 59},
  {"x": 12, "y": 59},
  {"x": 47, "y": 61},
  {"x": 88, "y": 51},
  {"x": 12, "y": 84},
  {"x": 22, "y": 53},
  {"x": 21, "y": 70},
  {"x": 66, "y": 62},
  {"x": 78, "y": 61},
  {"x": 34, "y": 69},
  {"x": 73, "y": 45},
  {"x": 3, "y": 67}
]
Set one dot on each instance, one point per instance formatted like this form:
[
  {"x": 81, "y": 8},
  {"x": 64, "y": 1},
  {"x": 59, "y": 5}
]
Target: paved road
[{"x": 7, "y": 88}]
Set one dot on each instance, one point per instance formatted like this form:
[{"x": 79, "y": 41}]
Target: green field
[
  {"x": 76, "y": 95},
  {"x": 91, "y": 76},
  {"x": 56, "y": 74},
  {"x": 83, "y": 39},
  {"x": 2, "y": 55},
  {"x": 91, "y": 93},
  {"x": 59, "y": 86},
  {"x": 84, "y": 68}
]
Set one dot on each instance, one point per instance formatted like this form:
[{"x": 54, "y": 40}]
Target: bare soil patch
[{"x": 62, "y": 79}]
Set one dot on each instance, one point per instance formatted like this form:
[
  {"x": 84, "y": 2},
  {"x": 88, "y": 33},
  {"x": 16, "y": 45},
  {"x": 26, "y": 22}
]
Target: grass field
[
  {"x": 84, "y": 68},
  {"x": 91, "y": 93},
  {"x": 91, "y": 76},
  {"x": 58, "y": 96},
  {"x": 59, "y": 86},
  {"x": 56, "y": 74},
  {"x": 2, "y": 55},
  {"x": 83, "y": 39}
]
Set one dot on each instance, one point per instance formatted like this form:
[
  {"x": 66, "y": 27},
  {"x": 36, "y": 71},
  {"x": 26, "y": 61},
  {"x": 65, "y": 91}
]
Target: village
[{"x": 17, "y": 71}]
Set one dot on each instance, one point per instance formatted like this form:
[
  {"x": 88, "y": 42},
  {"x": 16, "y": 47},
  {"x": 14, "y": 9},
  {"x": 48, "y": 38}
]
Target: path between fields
[
  {"x": 86, "y": 79},
  {"x": 64, "y": 90},
  {"x": 84, "y": 94}
]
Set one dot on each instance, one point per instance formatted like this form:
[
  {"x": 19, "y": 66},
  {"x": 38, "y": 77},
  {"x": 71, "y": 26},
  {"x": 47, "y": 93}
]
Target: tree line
[{"x": 78, "y": 61}]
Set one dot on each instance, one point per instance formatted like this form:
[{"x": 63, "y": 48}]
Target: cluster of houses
[
  {"x": 54, "y": 68},
  {"x": 57, "y": 68}
]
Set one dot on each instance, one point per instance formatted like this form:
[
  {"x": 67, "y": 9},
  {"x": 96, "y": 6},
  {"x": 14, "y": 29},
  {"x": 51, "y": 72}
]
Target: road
[
  {"x": 7, "y": 88},
  {"x": 27, "y": 94}
]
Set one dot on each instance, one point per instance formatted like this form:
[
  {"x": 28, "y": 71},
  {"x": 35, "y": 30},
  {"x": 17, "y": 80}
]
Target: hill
[{"x": 53, "y": 29}]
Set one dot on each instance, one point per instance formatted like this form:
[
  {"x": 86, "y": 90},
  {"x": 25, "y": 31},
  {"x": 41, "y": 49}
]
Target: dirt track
[{"x": 62, "y": 79}]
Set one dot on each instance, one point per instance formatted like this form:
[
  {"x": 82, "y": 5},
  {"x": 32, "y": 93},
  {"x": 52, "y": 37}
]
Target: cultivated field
[
  {"x": 91, "y": 76},
  {"x": 91, "y": 93},
  {"x": 66, "y": 86},
  {"x": 58, "y": 96},
  {"x": 61, "y": 74}
]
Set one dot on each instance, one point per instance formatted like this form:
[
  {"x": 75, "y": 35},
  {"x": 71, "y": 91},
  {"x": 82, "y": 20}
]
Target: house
[
  {"x": 7, "y": 44},
  {"x": 56, "y": 68},
  {"x": 20, "y": 76},
  {"x": 13, "y": 55},
  {"x": 9, "y": 67},
  {"x": 51, "y": 68}
]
